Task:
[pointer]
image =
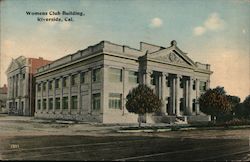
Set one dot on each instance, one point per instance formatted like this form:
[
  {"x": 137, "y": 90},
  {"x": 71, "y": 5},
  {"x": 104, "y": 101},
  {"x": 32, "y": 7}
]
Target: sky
[{"x": 215, "y": 32}]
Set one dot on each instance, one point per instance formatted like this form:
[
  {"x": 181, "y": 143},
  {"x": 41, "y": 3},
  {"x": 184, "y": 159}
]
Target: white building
[
  {"x": 92, "y": 84},
  {"x": 21, "y": 89}
]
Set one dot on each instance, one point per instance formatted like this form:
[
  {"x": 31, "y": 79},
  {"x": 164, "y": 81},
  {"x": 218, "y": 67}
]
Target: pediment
[
  {"x": 172, "y": 55},
  {"x": 15, "y": 64}
]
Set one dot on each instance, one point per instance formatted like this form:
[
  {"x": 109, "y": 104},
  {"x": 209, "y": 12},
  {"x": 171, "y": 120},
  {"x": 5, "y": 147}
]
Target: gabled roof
[
  {"x": 16, "y": 64},
  {"x": 172, "y": 55}
]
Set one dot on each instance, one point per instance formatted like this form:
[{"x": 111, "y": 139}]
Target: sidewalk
[{"x": 19, "y": 125}]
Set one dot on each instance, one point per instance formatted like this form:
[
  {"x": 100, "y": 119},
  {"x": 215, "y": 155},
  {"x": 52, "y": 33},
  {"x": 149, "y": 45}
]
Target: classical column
[
  {"x": 148, "y": 78},
  {"x": 69, "y": 93},
  {"x": 79, "y": 99},
  {"x": 54, "y": 94},
  {"x": 61, "y": 94},
  {"x": 19, "y": 85},
  {"x": 163, "y": 93},
  {"x": 41, "y": 96},
  {"x": 11, "y": 87},
  {"x": 36, "y": 98},
  {"x": 197, "y": 87},
  {"x": 190, "y": 86},
  {"x": 173, "y": 96},
  {"x": 177, "y": 95},
  {"x": 187, "y": 112},
  {"x": 208, "y": 84},
  {"x": 47, "y": 96},
  {"x": 90, "y": 90},
  {"x": 14, "y": 86},
  {"x": 124, "y": 83}
]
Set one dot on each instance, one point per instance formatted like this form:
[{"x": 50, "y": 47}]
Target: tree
[
  {"x": 243, "y": 109},
  {"x": 246, "y": 104},
  {"x": 214, "y": 102},
  {"x": 234, "y": 101},
  {"x": 142, "y": 100}
]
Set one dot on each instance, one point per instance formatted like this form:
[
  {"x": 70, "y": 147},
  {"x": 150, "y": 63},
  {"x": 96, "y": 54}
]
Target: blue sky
[{"x": 214, "y": 32}]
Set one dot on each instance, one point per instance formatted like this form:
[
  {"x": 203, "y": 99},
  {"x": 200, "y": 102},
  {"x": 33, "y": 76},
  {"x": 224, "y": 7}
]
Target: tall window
[
  {"x": 65, "y": 102},
  {"x": 39, "y": 104},
  {"x": 39, "y": 87},
  {"x": 193, "y": 105},
  {"x": 44, "y": 104},
  {"x": 96, "y": 101},
  {"x": 50, "y": 103},
  {"x": 57, "y": 103},
  {"x": 153, "y": 79},
  {"x": 74, "y": 102},
  {"x": 83, "y": 78},
  {"x": 181, "y": 82},
  {"x": 115, "y": 100},
  {"x": 44, "y": 86},
  {"x": 181, "y": 104},
  {"x": 57, "y": 83},
  {"x": 74, "y": 79},
  {"x": 133, "y": 77},
  {"x": 194, "y": 85},
  {"x": 50, "y": 84},
  {"x": 97, "y": 75},
  {"x": 168, "y": 81},
  {"x": 65, "y": 81},
  {"x": 115, "y": 75},
  {"x": 203, "y": 86}
]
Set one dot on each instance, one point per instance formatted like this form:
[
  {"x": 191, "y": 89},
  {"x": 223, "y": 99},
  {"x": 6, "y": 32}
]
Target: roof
[{"x": 4, "y": 89}]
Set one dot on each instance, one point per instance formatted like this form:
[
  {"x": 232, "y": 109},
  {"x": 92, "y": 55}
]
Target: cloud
[
  {"x": 156, "y": 22},
  {"x": 199, "y": 30},
  {"x": 212, "y": 23}
]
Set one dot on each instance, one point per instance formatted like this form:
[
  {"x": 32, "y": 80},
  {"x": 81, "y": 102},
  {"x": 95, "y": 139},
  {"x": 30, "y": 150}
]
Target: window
[
  {"x": 65, "y": 81},
  {"x": 57, "y": 83},
  {"x": 97, "y": 75},
  {"x": 153, "y": 79},
  {"x": 96, "y": 101},
  {"x": 115, "y": 75},
  {"x": 194, "y": 85},
  {"x": 181, "y": 82},
  {"x": 65, "y": 102},
  {"x": 74, "y": 102},
  {"x": 39, "y": 104},
  {"x": 44, "y": 86},
  {"x": 39, "y": 87},
  {"x": 115, "y": 101},
  {"x": 83, "y": 78},
  {"x": 57, "y": 103},
  {"x": 193, "y": 105},
  {"x": 202, "y": 86},
  {"x": 73, "y": 79},
  {"x": 23, "y": 76},
  {"x": 44, "y": 104},
  {"x": 50, "y": 84},
  {"x": 50, "y": 103},
  {"x": 168, "y": 81},
  {"x": 133, "y": 77},
  {"x": 182, "y": 104}
]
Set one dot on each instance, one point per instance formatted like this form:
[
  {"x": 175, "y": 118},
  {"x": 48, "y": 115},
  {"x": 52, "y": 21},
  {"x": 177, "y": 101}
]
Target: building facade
[
  {"x": 3, "y": 98},
  {"x": 21, "y": 89},
  {"x": 91, "y": 85}
]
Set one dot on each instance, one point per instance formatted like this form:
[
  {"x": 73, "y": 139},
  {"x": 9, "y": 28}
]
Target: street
[
  {"x": 123, "y": 148},
  {"x": 23, "y": 138}
]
